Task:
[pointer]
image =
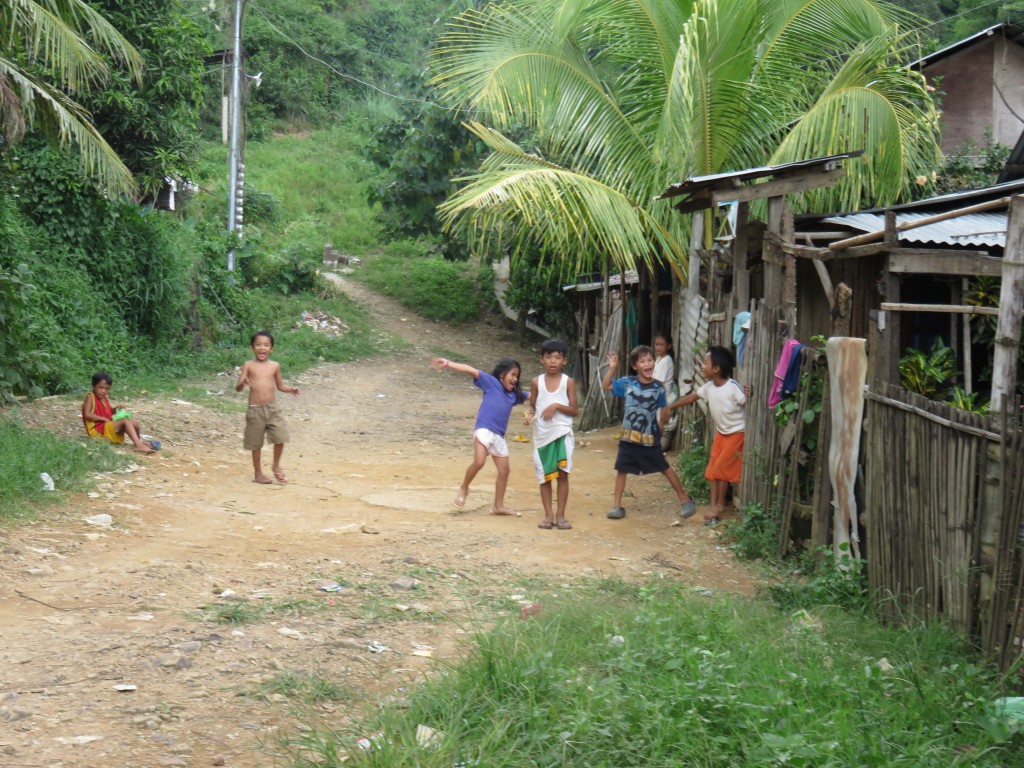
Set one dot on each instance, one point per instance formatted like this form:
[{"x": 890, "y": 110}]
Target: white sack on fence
[{"x": 847, "y": 370}]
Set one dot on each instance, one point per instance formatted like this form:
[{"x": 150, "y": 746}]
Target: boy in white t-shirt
[
  {"x": 552, "y": 406},
  {"x": 726, "y": 400}
]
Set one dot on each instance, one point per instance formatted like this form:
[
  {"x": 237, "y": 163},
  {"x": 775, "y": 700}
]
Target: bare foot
[
  {"x": 505, "y": 512},
  {"x": 460, "y": 498},
  {"x": 280, "y": 475},
  {"x": 263, "y": 480},
  {"x": 144, "y": 448}
]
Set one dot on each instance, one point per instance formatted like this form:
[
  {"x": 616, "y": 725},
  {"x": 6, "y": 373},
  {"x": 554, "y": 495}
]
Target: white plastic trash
[{"x": 47, "y": 480}]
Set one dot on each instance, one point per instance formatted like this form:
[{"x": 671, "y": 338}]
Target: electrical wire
[{"x": 344, "y": 74}]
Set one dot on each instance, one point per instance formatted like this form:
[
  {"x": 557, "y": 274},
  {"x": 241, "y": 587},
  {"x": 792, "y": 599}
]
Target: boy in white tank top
[{"x": 551, "y": 409}]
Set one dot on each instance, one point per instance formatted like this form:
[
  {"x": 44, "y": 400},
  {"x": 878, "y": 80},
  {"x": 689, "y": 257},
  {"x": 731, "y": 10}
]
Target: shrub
[
  {"x": 424, "y": 282},
  {"x": 825, "y": 579},
  {"x": 756, "y": 534}
]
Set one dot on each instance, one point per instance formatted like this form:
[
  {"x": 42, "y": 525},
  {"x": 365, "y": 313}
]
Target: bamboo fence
[{"x": 925, "y": 470}]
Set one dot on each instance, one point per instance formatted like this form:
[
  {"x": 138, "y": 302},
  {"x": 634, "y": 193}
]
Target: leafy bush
[
  {"x": 690, "y": 466},
  {"x": 928, "y": 374},
  {"x": 535, "y": 287},
  {"x": 292, "y": 269},
  {"x": 755, "y": 535},
  {"x": 423, "y": 282},
  {"x": 826, "y": 580},
  {"x": 971, "y": 166}
]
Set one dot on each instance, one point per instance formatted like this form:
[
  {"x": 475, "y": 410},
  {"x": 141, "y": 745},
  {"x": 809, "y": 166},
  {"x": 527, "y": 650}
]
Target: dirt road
[{"x": 111, "y": 653}]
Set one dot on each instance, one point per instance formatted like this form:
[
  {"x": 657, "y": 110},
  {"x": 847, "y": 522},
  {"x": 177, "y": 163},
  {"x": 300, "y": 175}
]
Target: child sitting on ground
[
  {"x": 726, "y": 401},
  {"x": 103, "y": 420}
]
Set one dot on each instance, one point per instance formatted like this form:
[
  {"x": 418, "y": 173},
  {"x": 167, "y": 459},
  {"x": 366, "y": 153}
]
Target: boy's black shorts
[{"x": 635, "y": 459}]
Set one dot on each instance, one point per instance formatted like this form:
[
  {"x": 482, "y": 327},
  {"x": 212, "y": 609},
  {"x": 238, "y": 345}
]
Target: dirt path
[{"x": 109, "y": 651}]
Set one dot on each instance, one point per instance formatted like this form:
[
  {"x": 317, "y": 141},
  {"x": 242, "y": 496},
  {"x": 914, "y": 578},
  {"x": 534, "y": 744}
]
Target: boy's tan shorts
[{"x": 264, "y": 422}]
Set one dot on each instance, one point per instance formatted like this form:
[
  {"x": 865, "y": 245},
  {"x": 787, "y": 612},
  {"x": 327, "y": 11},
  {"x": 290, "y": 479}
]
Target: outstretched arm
[
  {"x": 693, "y": 397},
  {"x": 613, "y": 366},
  {"x": 440, "y": 363}
]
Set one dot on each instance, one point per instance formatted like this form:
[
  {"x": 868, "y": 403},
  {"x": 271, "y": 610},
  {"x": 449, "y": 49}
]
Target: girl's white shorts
[{"x": 494, "y": 443}]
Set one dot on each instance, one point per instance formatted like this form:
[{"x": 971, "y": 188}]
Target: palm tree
[
  {"x": 48, "y": 50},
  {"x": 622, "y": 97}
]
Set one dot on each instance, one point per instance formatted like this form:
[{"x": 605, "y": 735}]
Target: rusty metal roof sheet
[{"x": 974, "y": 229}]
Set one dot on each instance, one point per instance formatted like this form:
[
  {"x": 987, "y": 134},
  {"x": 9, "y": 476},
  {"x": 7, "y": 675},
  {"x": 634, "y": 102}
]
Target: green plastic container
[{"x": 1011, "y": 708}]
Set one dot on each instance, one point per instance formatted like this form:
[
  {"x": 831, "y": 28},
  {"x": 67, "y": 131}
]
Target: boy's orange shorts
[{"x": 726, "y": 458}]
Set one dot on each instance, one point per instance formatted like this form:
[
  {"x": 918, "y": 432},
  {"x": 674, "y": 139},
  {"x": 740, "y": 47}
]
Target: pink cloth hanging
[{"x": 775, "y": 396}]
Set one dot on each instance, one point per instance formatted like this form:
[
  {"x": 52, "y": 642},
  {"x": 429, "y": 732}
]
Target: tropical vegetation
[
  {"x": 619, "y": 98},
  {"x": 49, "y": 51},
  {"x": 658, "y": 674}
]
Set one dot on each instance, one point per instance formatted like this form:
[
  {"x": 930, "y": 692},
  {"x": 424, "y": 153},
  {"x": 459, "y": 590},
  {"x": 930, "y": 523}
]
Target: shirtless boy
[{"x": 263, "y": 421}]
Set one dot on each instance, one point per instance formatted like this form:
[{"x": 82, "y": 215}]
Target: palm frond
[
  {"x": 514, "y": 68},
  {"x": 708, "y": 113},
  {"x": 875, "y": 105},
  {"x": 559, "y": 209},
  {"x": 66, "y": 36},
  {"x": 54, "y": 113}
]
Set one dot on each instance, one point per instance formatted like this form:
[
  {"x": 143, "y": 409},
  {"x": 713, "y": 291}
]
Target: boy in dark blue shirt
[{"x": 640, "y": 443}]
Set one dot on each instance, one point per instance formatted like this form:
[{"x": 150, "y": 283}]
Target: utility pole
[{"x": 236, "y": 171}]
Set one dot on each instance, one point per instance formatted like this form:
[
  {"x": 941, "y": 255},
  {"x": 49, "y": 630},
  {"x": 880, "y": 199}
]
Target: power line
[{"x": 344, "y": 74}]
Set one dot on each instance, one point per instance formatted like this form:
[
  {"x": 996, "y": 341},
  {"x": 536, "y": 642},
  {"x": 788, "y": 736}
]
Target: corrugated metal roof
[
  {"x": 985, "y": 229},
  {"x": 1007, "y": 29},
  {"x": 697, "y": 183}
]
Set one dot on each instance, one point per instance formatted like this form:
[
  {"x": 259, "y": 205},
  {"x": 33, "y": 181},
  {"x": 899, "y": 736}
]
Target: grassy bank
[
  {"x": 617, "y": 675},
  {"x": 25, "y": 453}
]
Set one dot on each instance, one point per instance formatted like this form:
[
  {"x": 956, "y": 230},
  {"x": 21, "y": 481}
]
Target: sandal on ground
[
  {"x": 712, "y": 521},
  {"x": 563, "y": 525},
  {"x": 617, "y": 513},
  {"x": 547, "y": 525}
]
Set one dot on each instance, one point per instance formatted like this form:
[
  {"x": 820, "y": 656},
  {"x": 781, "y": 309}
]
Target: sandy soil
[{"x": 110, "y": 651}]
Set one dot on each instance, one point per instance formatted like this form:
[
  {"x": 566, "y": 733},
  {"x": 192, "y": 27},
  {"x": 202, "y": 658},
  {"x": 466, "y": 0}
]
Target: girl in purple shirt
[{"x": 501, "y": 394}]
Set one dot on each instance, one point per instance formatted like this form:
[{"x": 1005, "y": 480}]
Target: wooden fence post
[
  {"x": 1011, "y": 301},
  {"x": 1004, "y": 382}
]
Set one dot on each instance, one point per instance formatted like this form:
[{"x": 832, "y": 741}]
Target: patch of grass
[
  {"x": 424, "y": 282},
  {"x": 251, "y": 611},
  {"x": 824, "y": 579},
  {"x": 321, "y": 182},
  {"x": 669, "y": 680},
  {"x": 26, "y": 453},
  {"x": 308, "y": 687},
  {"x": 690, "y": 466}
]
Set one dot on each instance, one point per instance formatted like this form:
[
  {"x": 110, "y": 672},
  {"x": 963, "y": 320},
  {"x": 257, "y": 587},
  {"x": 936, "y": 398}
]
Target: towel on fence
[
  {"x": 781, "y": 369},
  {"x": 791, "y": 381},
  {"x": 740, "y": 331}
]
